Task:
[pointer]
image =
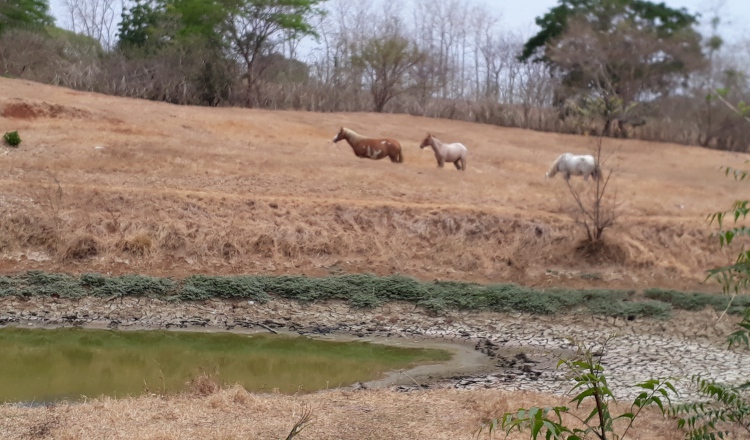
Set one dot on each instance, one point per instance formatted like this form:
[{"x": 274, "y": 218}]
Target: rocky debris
[{"x": 525, "y": 351}]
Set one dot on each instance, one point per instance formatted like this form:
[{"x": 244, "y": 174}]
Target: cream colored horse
[
  {"x": 569, "y": 164},
  {"x": 455, "y": 152}
]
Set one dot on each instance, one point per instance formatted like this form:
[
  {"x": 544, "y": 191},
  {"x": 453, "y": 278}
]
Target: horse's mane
[
  {"x": 434, "y": 139},
  {"x": 353, "y": 135}
]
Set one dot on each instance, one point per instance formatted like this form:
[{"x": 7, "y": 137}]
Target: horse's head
[
  {"x": 340, "y": 136},
  {"x": 597, "y": 173},
  {"x": 427, "y": 142}
]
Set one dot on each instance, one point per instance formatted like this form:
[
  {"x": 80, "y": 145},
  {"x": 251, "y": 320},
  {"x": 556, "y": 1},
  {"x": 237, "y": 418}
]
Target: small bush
[
  {"x": 8, "y": 286},
  {"x": 694, "y": 301},
  {"x": 434, "y": 304},
  {"x": 80, "y": 248},
  {"x": 137, "y": 245},
  {"x": 201, "y": 287},
  {"x": 126, "y": 285},
  {"x": 203, "y": 384},
  {"x": 36, "y": 282},
  {"x": 364, "y": 300},
  {"x": 12, "y": 138}
]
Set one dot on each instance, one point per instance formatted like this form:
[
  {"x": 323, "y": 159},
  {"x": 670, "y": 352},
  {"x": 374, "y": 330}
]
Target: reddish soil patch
[{"x": 27, "y": 110}]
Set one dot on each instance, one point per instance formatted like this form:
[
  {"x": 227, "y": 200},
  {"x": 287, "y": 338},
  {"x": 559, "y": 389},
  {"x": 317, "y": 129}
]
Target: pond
[{"x": 42, "y": 365}]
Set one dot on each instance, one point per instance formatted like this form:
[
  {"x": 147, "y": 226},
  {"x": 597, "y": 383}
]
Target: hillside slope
[{"x": 120, "y": 185}]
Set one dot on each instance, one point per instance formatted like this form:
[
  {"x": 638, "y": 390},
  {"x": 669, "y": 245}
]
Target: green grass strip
[{"x": 364, "y": 290}]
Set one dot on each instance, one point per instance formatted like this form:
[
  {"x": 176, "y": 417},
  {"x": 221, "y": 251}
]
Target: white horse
[
  {"x": 573, "y": 165},
  {"x": 455, "y": 152}
]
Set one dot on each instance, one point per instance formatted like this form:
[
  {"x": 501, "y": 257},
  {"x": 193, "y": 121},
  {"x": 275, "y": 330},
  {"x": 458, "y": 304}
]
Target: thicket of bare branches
[
  {"x": 449, "y": 59},
  {"x": 94, "y": 18}
]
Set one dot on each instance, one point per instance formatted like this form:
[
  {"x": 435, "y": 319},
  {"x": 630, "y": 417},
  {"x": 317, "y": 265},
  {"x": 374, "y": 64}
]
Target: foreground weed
[{"x": 590, "y": 384}]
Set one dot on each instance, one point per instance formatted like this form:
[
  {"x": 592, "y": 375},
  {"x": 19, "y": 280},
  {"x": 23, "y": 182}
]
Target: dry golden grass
[
  {"x": 124, "y": 185},
  {"x": 120, "y": 185},
  {"x": 236, "y": 414}
]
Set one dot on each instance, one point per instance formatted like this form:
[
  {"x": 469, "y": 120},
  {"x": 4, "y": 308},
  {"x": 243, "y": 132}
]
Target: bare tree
[
  {"x": 595, "y": 211},
  {"x": 94, "y": 18}
]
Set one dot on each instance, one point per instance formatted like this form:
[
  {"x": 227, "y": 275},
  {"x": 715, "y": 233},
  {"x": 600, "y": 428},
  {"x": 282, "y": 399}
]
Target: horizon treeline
[{"x": 653, "y": 75}]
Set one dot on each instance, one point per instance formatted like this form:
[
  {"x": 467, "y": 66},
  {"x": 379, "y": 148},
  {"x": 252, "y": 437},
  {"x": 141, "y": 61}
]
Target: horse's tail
[
  {"x": 553, "y": 169},
  {"x": 597, "y": 171},
  {"x": 400, "y": 156}
]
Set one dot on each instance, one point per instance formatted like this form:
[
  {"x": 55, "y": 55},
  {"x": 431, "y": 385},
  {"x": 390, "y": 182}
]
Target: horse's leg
[
  {"x": 457, "y": 163},
  {"x": 441, "y": 162}
]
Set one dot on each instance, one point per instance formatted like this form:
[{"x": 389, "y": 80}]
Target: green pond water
[{"x": 38, "y": 365}]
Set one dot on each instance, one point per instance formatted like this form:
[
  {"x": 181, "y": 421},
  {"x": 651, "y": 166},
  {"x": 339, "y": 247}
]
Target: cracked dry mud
[{"x": 493, "y": 350}]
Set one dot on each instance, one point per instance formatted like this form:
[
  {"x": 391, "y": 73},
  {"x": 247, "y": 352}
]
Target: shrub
[
  {"x": 137, "y": 245},
  {"x": 80, "y": 248},
  {"x": 694, "y": 301},
  {"x": 126, "y": 285},
  {"x": 12, "y": 138},
  {"x": 201, "y": 287},
  {"x": 364, "y": 300},
  {"x": 591, "y": 384},
  {"x": 36, "y": 282}
]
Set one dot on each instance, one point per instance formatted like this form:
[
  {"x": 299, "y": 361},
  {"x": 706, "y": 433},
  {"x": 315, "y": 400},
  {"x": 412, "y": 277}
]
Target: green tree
[
  {"x": 28, "y": 13},
  {"x": 624, "y": 49},
  {"x": 189, "y": 30},
  {"x": 385, "y": 63},
  {"x": 253, "y": 29},
  {"x": 140, "y": 24},
  {"x": 201, "y": 18},
  {"x": 605, "y": 15},
  {"x": 154, "y": 23}
]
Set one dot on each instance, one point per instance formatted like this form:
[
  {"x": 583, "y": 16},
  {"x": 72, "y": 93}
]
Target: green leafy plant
[
  {"x": 590, "y": 384},
  {"x": 724, "y": 410},
  {"x": 12, "y": 138},
  {"x": 735, "y": 278}
]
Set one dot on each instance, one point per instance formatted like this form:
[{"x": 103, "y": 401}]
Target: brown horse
[{"x": 371, "y": 148}]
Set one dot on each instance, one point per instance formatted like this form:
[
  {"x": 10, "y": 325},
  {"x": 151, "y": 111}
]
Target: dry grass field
[
  {"x": 120, "y": 185},
  {"x": 236, "y": 414}
]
